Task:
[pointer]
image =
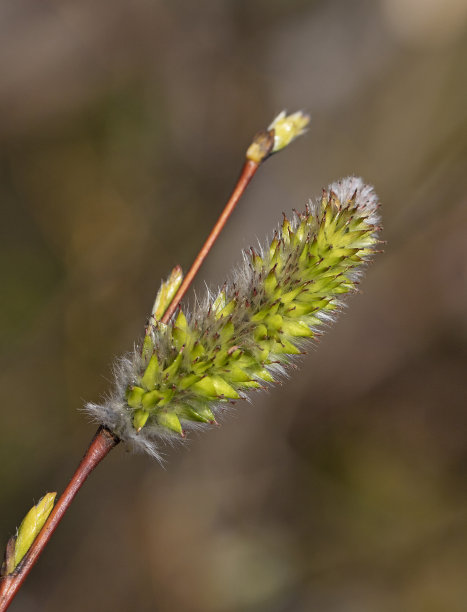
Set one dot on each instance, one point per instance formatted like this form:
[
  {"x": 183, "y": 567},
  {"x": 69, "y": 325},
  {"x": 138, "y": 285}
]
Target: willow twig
[{"x": 104, "y": 440}]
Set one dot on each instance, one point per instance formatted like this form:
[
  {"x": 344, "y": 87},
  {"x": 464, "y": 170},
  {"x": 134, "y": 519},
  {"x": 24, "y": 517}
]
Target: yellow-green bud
[
  {"x": 282, "y": 131},
  {"x": 167, "y": 292},
  {"x": 29, "y": 529},
  {"x": 288, "y": 127}
]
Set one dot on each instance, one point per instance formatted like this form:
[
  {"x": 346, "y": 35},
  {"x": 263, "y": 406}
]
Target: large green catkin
[{"x": 243, "y": 338}]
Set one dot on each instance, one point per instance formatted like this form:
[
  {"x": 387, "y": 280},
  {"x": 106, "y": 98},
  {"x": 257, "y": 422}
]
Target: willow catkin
[{"x": 243, "y": 337}]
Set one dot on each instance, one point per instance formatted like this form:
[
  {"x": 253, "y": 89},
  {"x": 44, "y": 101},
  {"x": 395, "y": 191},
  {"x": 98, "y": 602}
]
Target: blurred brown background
[{"x": 122, "y": 130}]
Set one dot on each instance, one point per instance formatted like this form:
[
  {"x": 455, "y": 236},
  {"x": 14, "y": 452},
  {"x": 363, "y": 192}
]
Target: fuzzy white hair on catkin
[{"x": 245, "y": 283}]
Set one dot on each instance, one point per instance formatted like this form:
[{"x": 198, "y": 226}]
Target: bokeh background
[{"x": 122, "y": 130}]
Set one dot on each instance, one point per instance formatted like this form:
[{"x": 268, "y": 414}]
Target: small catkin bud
[
  {"x": 282, "y": 131},
  {"x": 30, "y": 526},
  {"x": 287, "y": 128},
  {"x": 167, "y": 292},
  {"x": 244, "y": 336}
]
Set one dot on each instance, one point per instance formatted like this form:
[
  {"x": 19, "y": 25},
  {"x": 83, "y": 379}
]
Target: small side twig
[{"x": 104, "y": 440}]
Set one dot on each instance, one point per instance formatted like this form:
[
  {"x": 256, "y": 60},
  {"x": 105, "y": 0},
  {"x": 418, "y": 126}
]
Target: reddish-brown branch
[
  {"x": 104, "y": 441},
  {"x": 247, "y": 173}
]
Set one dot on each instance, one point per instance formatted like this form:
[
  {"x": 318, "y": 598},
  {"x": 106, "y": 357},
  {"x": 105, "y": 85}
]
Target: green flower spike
[
  {"x": 243, "y": 339},
  {"x": 32, "y": 523}
]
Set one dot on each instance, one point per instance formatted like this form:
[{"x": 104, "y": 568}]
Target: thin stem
[
  {"x": 103, "y": 442},
  {"x": 279, "y": 134},
  {"x": 248, "y": 171}
]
